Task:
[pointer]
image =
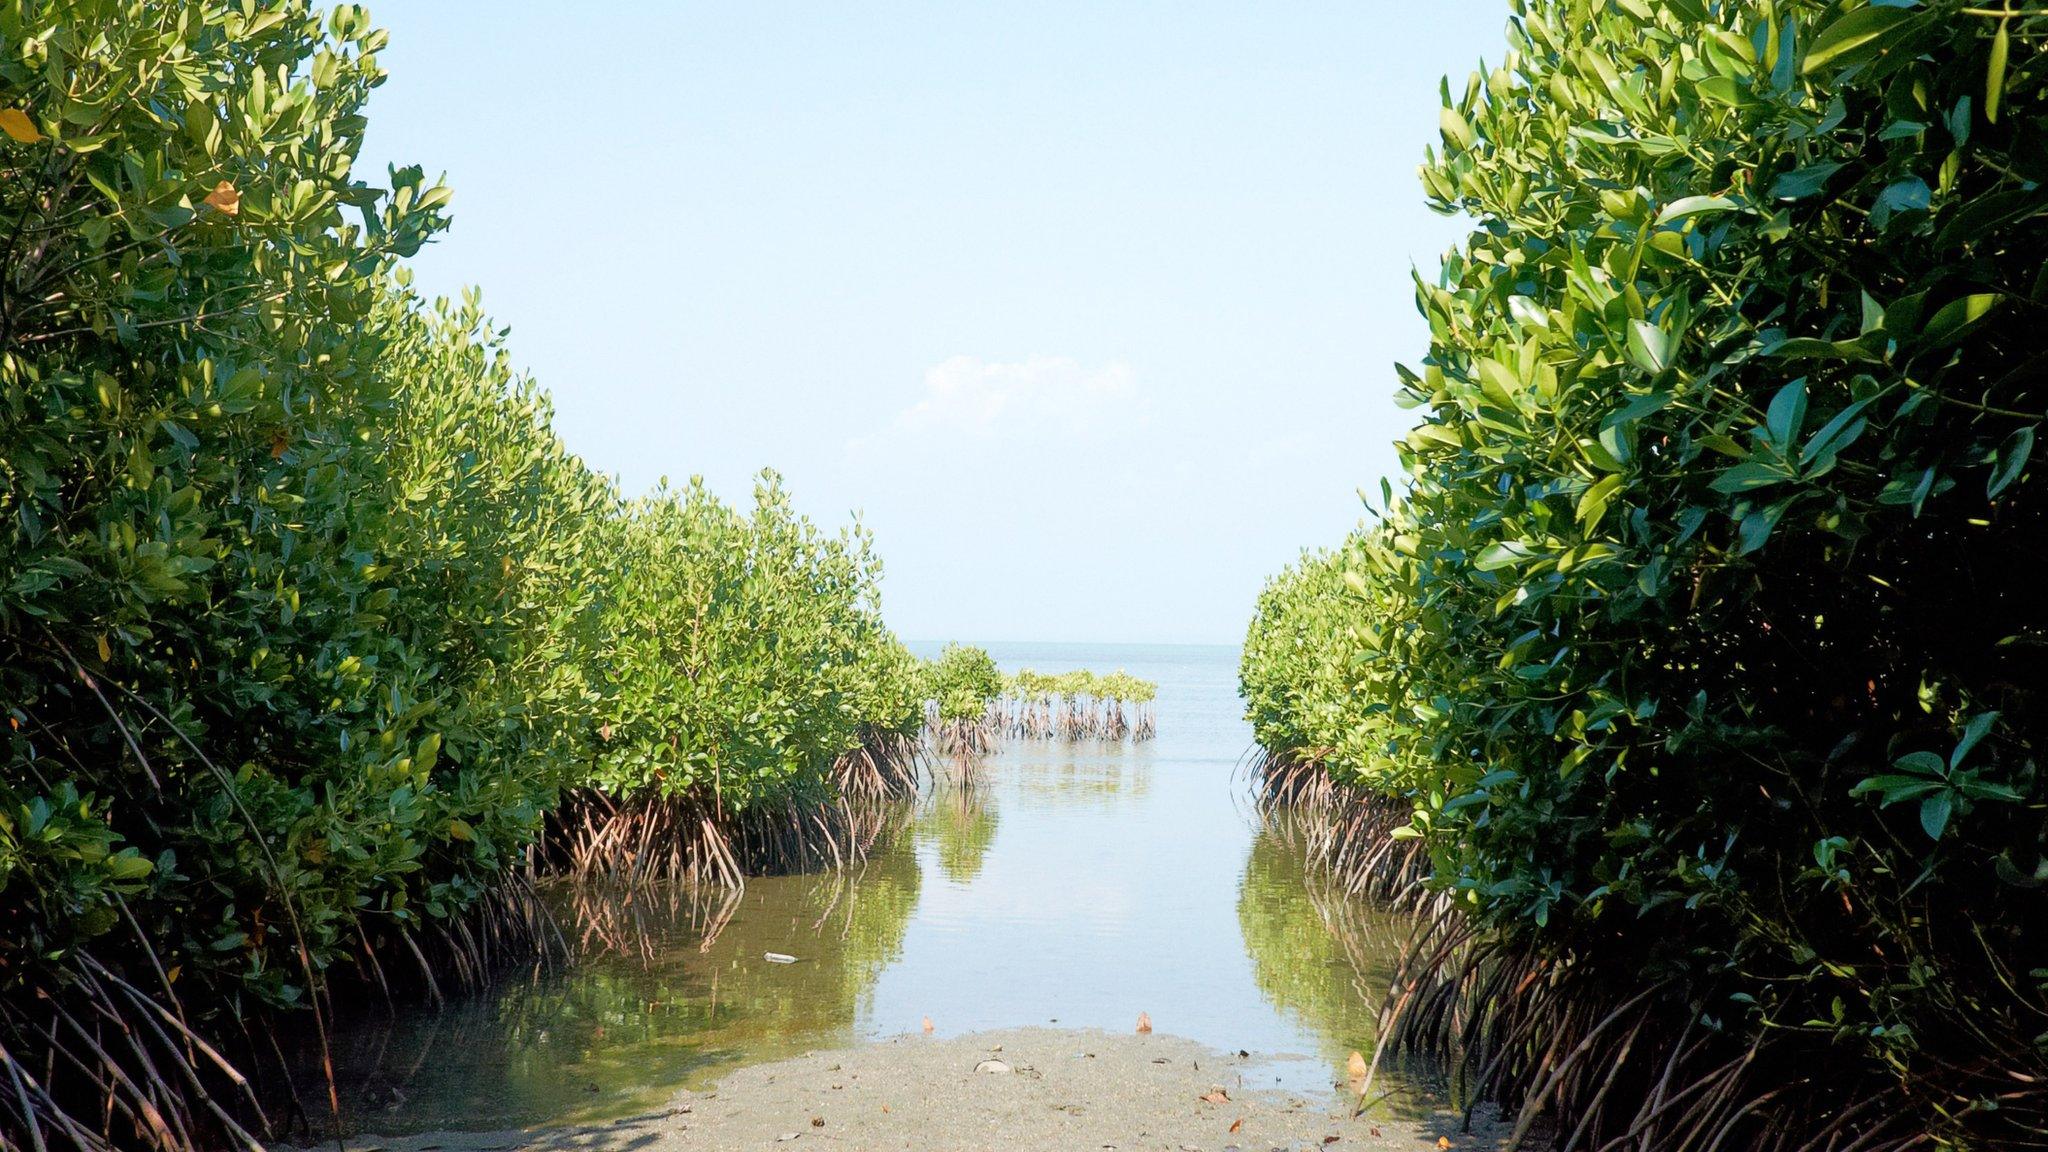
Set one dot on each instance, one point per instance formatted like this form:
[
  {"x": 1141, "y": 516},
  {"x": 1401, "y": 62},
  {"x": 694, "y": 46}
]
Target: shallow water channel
[{"x": 1072, "y": 885}]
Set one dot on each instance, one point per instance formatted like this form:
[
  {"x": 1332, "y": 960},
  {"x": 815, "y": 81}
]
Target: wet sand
[{"x": 1034, "y": 1088}]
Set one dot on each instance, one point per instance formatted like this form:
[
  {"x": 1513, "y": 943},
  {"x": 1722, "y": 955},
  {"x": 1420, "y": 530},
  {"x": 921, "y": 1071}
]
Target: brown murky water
[{"x": 1069, "y": 884}]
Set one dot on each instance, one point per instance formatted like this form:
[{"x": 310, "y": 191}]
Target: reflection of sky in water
[{"x": 1077, "y": 883}]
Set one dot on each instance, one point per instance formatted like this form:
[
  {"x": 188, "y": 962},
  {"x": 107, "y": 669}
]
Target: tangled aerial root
[
  {"x": 1346, "y": 833},
  {"x": 1588, "y": 1060},
  {"x": 1609, "y": 1064},
  {"x": 888, "y": 766},
  {"x": 651, "y": 838}
]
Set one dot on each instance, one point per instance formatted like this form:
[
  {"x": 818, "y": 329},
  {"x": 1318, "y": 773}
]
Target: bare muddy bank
[{"x": 1034, "y": 1088}]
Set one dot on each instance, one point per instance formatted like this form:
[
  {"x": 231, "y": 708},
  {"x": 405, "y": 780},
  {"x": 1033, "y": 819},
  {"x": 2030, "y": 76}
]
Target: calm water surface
[{"x": 1063, "y": 884}]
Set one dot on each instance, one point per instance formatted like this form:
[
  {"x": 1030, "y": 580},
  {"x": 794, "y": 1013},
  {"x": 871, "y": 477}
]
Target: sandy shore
[{"x": 1035, "y": 1088}]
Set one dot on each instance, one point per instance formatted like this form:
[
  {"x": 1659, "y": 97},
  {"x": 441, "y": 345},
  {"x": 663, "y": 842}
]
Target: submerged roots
[
  {"x": 887, "y": 766},
  {"x": 1031, "y": 716},
  {"x": 118, "y": 1067},
  {"x": 652, "y": 838},
  {"x": 1592, "y": 1060},
  {"x": 110, "y": 1059},
  {"x": 1346, "y": 833},
  {"x": 1605, "y": 1062}
]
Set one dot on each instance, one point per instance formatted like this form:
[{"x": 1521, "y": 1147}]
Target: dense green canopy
[
  {"x": 307, "y": 619},
  {"x": 1703, "y": 634}
]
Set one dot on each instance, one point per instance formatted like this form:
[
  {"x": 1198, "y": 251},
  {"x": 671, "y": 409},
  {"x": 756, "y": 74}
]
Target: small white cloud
[{"x": 967, "y": 394}]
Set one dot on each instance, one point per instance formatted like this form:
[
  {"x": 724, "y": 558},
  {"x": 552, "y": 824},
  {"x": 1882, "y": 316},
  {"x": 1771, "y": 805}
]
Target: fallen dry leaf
[
  {"x": 817, "y": 1121},
  {"x": 16, "y": 123},
  {"x": 1216, "y": 1096},
  {"x": 1375, "y": 1130},
  {"x": 1356, "y": 1065},
  {"x": 885, "y": 1107},
  {"x": 1236, "y": 1124},
  {"x": 927, "y": 1024},
  {"x": 225, "y": 198},
  {"x": 1144, "y": 1021},
  {"x": 1443, "y": 1142},
  {"x": 1331, "y": 1139}
]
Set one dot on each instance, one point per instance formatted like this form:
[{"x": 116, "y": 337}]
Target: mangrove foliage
[
  {"x": 316, "y": 644},
  {"x": 1699, "y": 654}
]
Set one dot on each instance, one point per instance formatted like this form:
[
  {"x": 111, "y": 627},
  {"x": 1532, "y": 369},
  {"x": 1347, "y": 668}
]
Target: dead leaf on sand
[
  {"x": 927, "y": 1025},
  {"x": 1144, "y": 1022},
  {"x": 1236, "y": 1124},
  {"x": 1355, "y": 1066},
  {"x": 1216, "y": 1096}
]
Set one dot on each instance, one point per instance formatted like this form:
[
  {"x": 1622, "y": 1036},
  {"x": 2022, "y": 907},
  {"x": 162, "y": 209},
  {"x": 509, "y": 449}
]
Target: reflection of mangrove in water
[
  {"x": 958, "y": 819},
  {"x": 1089, "y": 774},
  {"x": 1322, "y": 956},
  {"x": 672, "y": 991}
]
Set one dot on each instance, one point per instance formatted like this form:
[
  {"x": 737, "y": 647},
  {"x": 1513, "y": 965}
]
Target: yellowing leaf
[
  {"x": 106, "y": 650},
  {"x": 225, "y": 198},
  {"x": 16, "y": 123},
  {"x": 461, "y": 830}
]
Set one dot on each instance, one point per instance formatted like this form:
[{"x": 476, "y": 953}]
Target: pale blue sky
[{"x": 1089, "y": 309}]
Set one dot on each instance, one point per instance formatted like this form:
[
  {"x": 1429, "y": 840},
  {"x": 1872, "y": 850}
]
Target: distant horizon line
[{"x": 982, "y": 643}]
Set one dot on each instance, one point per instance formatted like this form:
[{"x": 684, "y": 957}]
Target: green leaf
[
  {"x": 1924, "y": 763},
  {"x": 1895, "y": 789},
  {"x": 1649, "y": 346},
  {"x": 1955, "y": 319},
  {"x": 1694, "y": 206},
  {"x": 1593, "y": 503},
  {"x": 2012, "y": 461},
  {"x": 1803, "y": 182},
  {"x": 1756, "y": 527},
  {"x": 1503, "y": 555},
  {"x": 1994, "y": 76},
  {"x": 1723, "y": 90},
  {"x": 1811, "y": 348},
  {"x": 1824, "y": 445},
  {"x": 1854, "y": 34},
  {"x": 1935, "y": 812},
  {"x": 1455, "y": 129},
  {"x": 1786, "y": 413},
  {"x": 1973, "y": 733},
  {"x": 1749, "y": 476},
  {"x": 128, "y": 865}
]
